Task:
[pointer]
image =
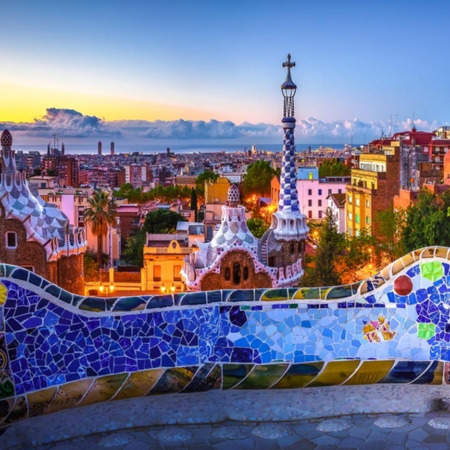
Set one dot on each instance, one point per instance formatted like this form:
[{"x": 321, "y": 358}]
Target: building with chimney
[
  {"x": 34, "y": 234},
  {"x": 234, "y": 258}
]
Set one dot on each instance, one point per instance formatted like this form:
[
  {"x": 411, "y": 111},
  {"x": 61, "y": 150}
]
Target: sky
[{"x": 211, "y": 70}]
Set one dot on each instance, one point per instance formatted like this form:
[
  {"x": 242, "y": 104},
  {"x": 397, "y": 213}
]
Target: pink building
[{"x": 313, "y": 192}]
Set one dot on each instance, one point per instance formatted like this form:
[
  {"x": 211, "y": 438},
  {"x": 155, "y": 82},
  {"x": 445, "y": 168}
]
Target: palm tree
[{"x": 100, "y": 214}]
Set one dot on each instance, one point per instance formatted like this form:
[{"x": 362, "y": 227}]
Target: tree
[
  {"x": 162, "y": 221},
  {"x": 91, "y": 267},
  {"x": 324, "y": 268},
  {"x": 158, "y": 221},
  {"x": 427, "y": 222},
  {"x": 193, "y": 205},
  {"x": 207, "y": 175},
  {"x": 388, "y": 226},
  {"x": 333, "y": 168},
  {"x": 133, "y": 250},
  {"x": 357, "y": 255},
  {"x": 257, "y": 179},
  {"x": 100, "y": 214},
  {"x": 257, "y": 226}
]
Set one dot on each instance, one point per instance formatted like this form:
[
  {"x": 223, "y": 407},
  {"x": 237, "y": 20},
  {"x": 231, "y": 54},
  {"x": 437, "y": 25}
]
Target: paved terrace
[{"x": 322, "y": 418}]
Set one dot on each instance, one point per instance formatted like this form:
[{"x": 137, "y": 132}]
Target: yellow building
[
  {"x": 373, "y": 186},
  {"x": 163, "y": 260},
  {"x": 216, "y": 192}
]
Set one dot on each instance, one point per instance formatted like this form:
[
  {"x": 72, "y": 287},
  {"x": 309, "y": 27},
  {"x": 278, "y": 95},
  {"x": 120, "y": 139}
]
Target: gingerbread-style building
[{"x": 35, "y": 234}]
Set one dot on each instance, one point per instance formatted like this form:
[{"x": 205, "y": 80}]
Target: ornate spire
[
  {"x": 288, "y": 88},
  {"x": 288, "y": 221}
]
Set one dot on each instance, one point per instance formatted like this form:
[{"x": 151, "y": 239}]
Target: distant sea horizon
[{"x": 175, "y": 147}]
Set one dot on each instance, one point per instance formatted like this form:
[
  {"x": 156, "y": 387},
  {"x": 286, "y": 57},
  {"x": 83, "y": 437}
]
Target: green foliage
[
  {"x": 91, "y": 267},
  {"x": 100, "y": 214},
  {"x": 257, "y": 226},
  {"x": 333, "y": 168},
  {"x": 207, "y": 175},
  {"x": 324, "y": 268},
  {"x": 257, "y": 179},
  {"x": 358, "y": 254},
  {"x": 132, "y": 253},
  {"x": 166, "y": 194},
  {"x": 162, "y": 221},
  {"x": 388, "y": 227},
  {"x": 426, "y": 222}
]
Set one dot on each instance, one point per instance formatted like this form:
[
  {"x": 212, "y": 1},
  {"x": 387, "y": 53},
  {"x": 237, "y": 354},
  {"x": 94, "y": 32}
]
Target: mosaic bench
[{"x": 59, "y": 350}]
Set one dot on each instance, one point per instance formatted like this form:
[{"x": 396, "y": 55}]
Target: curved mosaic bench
[{"x": 59, "y": 350}]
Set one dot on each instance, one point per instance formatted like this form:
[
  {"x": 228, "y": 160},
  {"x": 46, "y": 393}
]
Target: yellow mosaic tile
[
  {"x": 262, "y": 377},
  {"x": 38, "y": 401},
  {"x": 371, "y": 372},
  {"x": 103, "y": 389},
  {"x": 299, "y": 375},
  {"x": 69, "y": 395},
  {"x": 334, "y": 373},
  {"x": 139, "y": 383}
]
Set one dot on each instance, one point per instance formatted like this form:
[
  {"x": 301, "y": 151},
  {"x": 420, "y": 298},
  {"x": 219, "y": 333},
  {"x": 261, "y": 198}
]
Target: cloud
[
  {"x": 64, "y": 122},
  {"x": 70, "y": 123}
]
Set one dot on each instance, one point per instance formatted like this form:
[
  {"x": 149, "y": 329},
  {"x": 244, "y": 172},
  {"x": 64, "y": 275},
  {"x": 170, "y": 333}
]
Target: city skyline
[{"x": 148, "y": 71}]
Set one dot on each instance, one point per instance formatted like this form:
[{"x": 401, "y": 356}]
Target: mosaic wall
[{"x": 59, "y": 350}]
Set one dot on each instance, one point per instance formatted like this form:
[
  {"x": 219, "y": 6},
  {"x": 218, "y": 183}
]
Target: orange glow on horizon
[{"x": 25, "y": 104}]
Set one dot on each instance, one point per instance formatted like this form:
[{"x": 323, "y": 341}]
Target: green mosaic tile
[
  {"x": 432, "y": 270},
  {"x": 426, "y": 330}
]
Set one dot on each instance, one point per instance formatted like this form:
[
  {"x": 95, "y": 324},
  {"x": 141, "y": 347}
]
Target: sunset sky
[{"x": 93, "y": 68}]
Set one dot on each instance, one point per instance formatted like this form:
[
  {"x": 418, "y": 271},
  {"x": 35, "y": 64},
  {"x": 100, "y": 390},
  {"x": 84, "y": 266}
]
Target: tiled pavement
[{"x": 373, "y": 431}]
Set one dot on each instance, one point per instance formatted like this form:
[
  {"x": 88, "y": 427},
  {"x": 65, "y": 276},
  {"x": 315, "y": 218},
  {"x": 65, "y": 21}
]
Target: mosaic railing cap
[{"x": 60, "y": 350}]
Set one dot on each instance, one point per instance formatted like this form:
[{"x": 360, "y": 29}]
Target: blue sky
[{"x": 103, "y": 64}]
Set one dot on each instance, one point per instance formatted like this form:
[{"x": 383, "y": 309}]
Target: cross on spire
[{"x": 288, "y": 63}]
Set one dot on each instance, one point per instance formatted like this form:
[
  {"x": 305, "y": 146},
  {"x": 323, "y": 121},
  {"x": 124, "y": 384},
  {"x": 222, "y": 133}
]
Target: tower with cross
[
  {"x": 288, "y": 222},
  {"x": 283, "y": 245}
]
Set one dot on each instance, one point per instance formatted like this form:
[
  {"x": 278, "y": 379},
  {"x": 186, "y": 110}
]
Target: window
[
  {"x": 309, "y": 214},
  {"x": 176, "y": 273},
  {"x": 357, "y": 201},
  {"x": 320, "y": 214},
  {"x": 339, "y": 191},
  {"x": 350, "y": 199},
  {"x": 291, "y": 248},
  {"x": 11, "y": 239},
  {"x": 350, "y": 216},
  {"x": 236, "y": 273},
  {"x": 329, "y": 192},
  {"x": 309, "y": 202},
  {"x": 320, "y": 203},
  {"x": 356, "y": 233},
  {"x": 350, "y": 231},
  {"x": 320, "y": 191},
  {"x": 156, "y": 273},
  {"x": 357, "y": 218},
  {"x": 367, "y": 203},
  {"x": 309, "y": 191},
  {"x": 367, "y": 220},
  {"x": 227, "y": 274},
  {"x": 245, "y": 274},
  {"x": 310, "y": 175}
]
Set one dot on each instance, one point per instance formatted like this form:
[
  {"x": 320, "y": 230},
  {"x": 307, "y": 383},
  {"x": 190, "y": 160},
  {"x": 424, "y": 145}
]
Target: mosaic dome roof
[{"x": 6, "y": 139}]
